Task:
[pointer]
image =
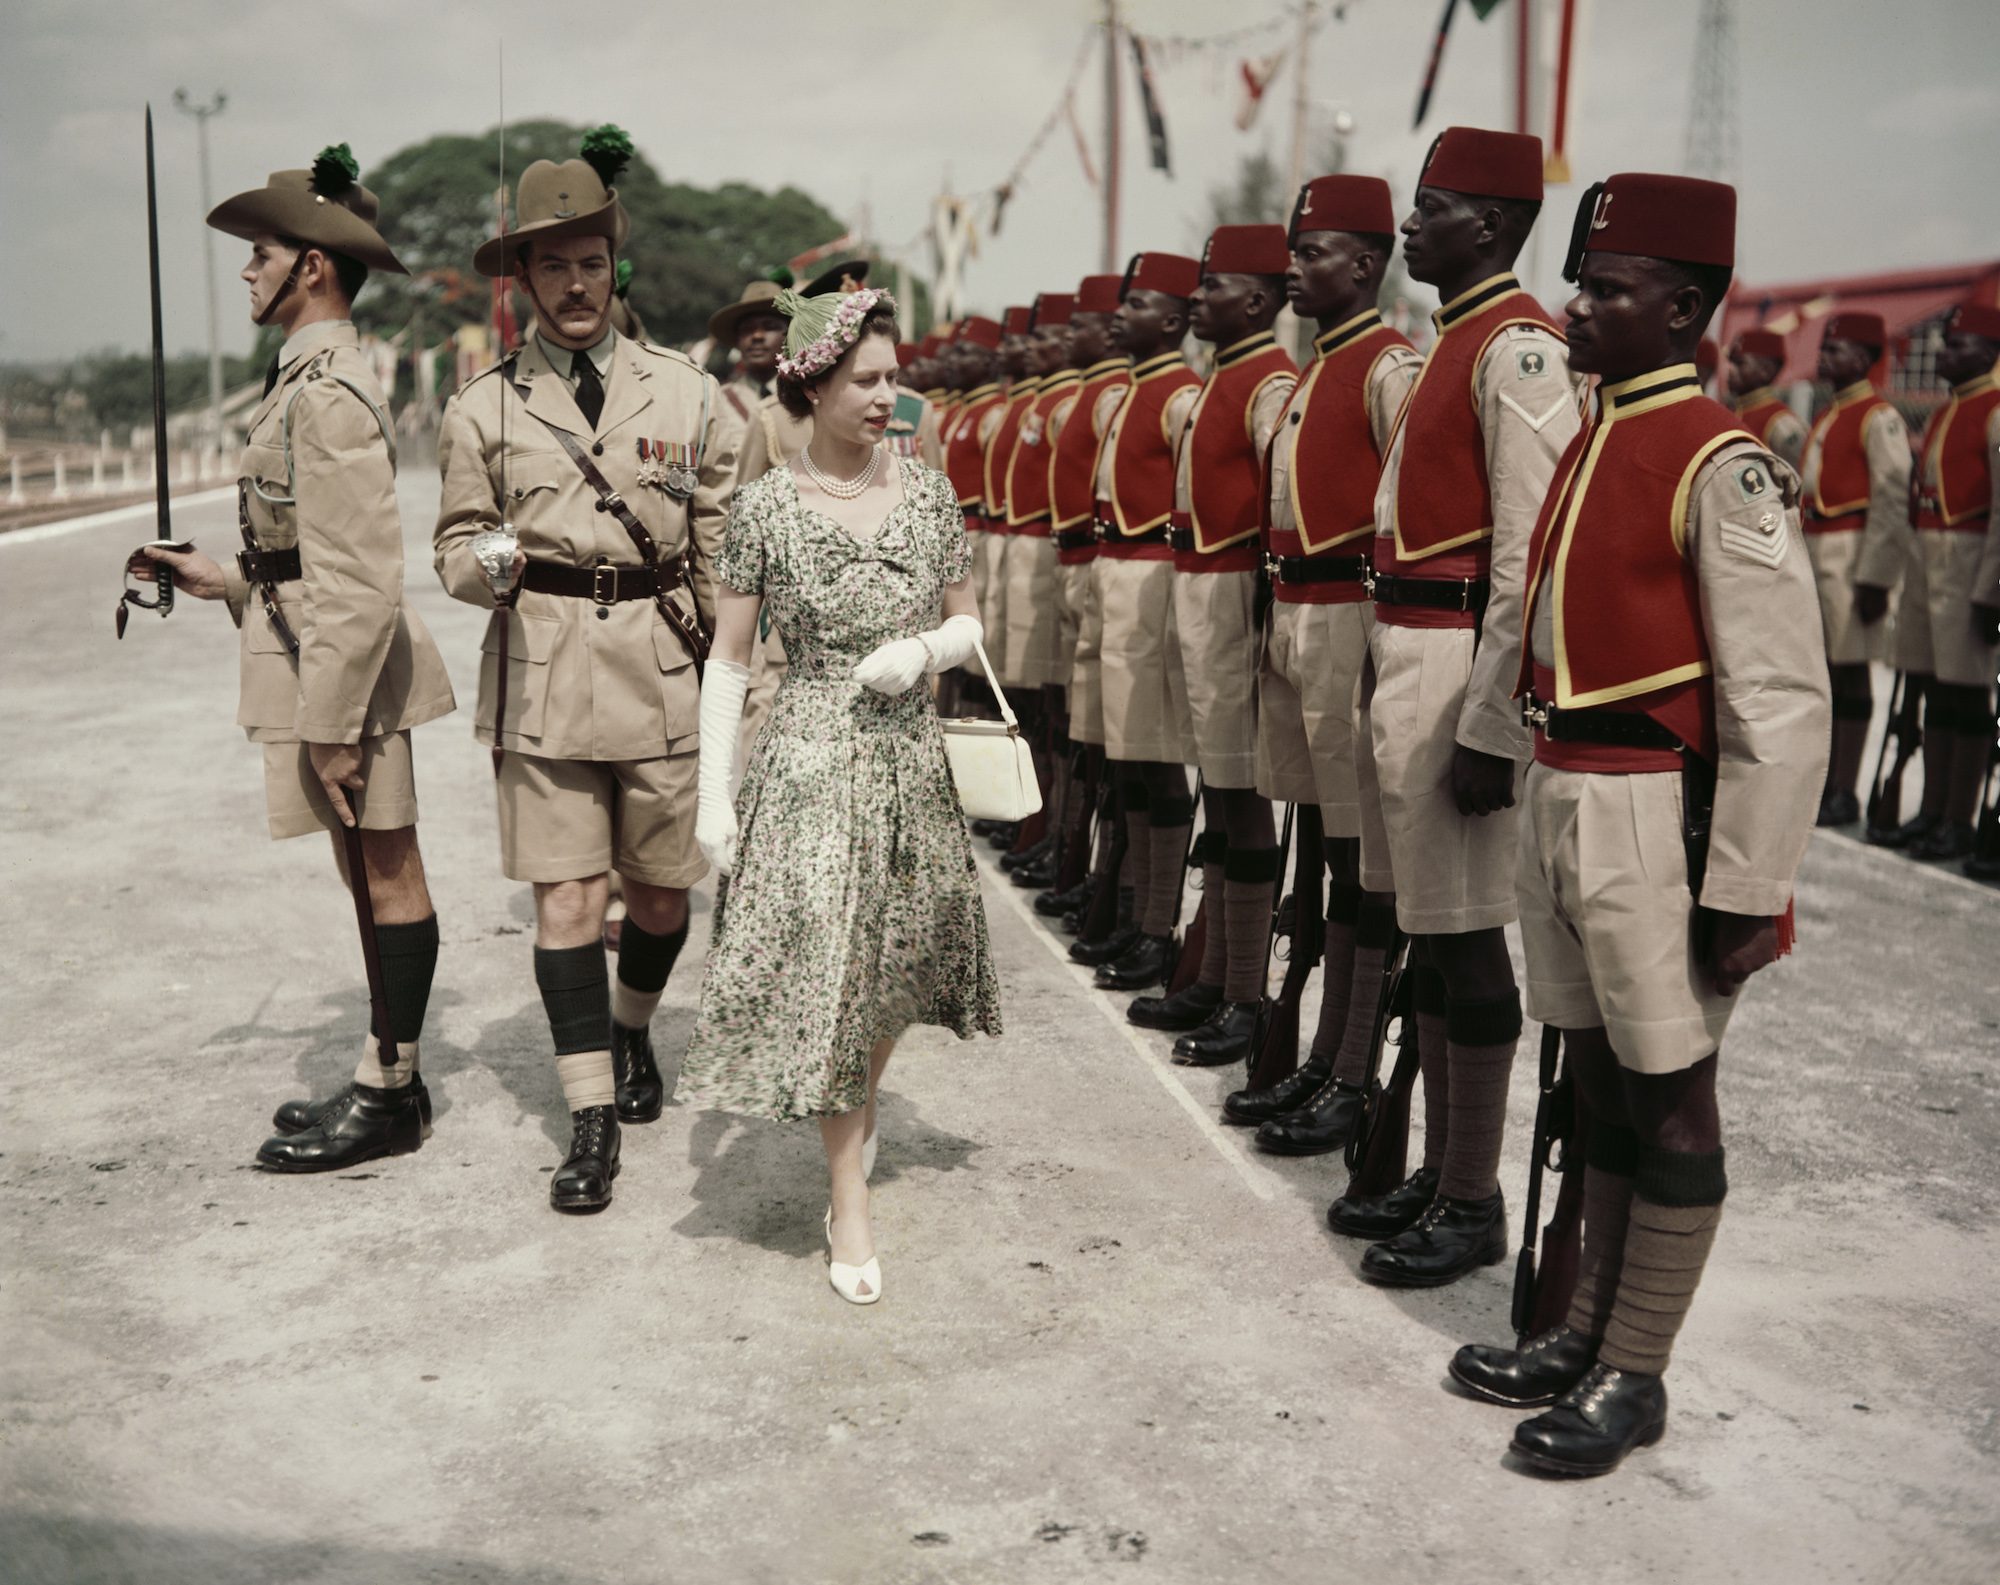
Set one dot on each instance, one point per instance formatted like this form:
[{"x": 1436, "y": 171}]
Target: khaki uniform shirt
[
  {"x": 1528, "y": 421},
  {"x": 772, "y": 439},
  {"x": 1395, "y": 371},
  {"x": 1885, "y": 535},
  {"x": 1760, "y": 611},
  {"x": 366, "y": 665},
  {"x": 586, "y": 681}
]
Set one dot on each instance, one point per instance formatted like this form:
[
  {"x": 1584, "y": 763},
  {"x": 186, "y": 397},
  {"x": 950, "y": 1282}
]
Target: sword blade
[{"x": 164, "y": 529}]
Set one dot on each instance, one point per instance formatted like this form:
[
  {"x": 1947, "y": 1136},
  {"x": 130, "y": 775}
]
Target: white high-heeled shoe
[{"x": 847, "y": 1280}]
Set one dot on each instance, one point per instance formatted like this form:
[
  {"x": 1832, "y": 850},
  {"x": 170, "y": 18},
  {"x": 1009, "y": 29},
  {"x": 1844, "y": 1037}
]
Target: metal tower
[{"x": 1711, "y": 127}]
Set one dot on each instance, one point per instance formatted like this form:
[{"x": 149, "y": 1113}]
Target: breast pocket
[
  {"x": 531, "y": 640},
  {"x": 680, "y": 691},
  {"x": 268, "y": 677}
]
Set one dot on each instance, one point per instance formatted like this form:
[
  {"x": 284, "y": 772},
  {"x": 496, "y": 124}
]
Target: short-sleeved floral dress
[{"x": 854, "y": 909}]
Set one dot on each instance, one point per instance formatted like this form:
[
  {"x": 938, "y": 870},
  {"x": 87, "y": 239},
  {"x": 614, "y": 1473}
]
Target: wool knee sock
[
  {"x": 1167, "y": 865},
  {"x": 1851, "y": 713},
  {"x": 1676, "y": 1208},
  {"x": 1611, "y": 1156},
  {"x": 1211, "y": 852},
  {"x": 1336, "y": 974},
  {"x": 1374, "y": 940},
  {"x": 576, "y": 994},
  {"x": 644, "y": 962},
  {"x": 1427, "y": 1006},
  {"x": 1138, "y": 869},
  {"x": 1939, "y": 736},
  {"x": 1968, "y": 773},
  {"x": 409, "y": 956},
  {"x": 1481, "y": 1037},
  {"x": 1249, "y": 887}
]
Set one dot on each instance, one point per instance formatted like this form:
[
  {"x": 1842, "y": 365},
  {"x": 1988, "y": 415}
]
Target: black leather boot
[
  {"x": 1596, "y": 1423},
  {"x": 295, "y": 1117},
  {"x": 1320, "y": 1127},
  {"x": 1945, "y": 843},
  {"x": 365, "y": 1123},
  {"x": 1246, "y": 1108},
  {"x": 1910, "y": 831},
  {"x": 1838, "y": 807},
  {"x": 1002, "y": 836},
  {"x": 583, "y": 1181},
  {"x": 641, "y": 1091},
  {"x": 1225, "y": 1038},
  {"x": 1451, "y": 1238},
  {"x": 984, "y": 827},
  {"x": 1039, "y": 875},
  {"x": 1188, "y": 1008},
  {"x": 1379, "y": 1216},
  {"x": 1109, "y": 950},
  {"x": 1054, "y": 904},
  {"x": 1540, "y": 1371},
  {"x": 1149, "y": 961},
  {"x": 1033, "y": 853}
]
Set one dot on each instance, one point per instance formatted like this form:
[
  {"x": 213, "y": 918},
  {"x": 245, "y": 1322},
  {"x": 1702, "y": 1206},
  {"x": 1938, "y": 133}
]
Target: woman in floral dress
[{"x": 854, "y": 907}]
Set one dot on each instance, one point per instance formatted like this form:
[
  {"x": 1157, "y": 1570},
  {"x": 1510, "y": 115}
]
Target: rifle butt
[
  {"x": 1277, "y": 1056},
  {"x": 1187, "y": 967},
  {"x": 1383, "y": 1162}
]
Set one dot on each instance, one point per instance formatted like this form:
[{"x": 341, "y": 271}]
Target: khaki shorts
[
  {"x": 295, "y": 803},
  {"x": 1451, "y": 873},
  {"x": 1848, "y": 640},
  {"x": 1307, "y": 701},
  {"x": 1035, "y": 657},
  {"x": 1607, "y": 920},
  {"x": 1143, "y": 717},
  {"x": 1940, "y": 607},
  {"x": 990, "y": 551},
  {"x": 1912, "y": 644},
  {"x": 1216, "y": 615},
  {"x": 569, "y": 819},
  {"x": 1083, "y": 638}
]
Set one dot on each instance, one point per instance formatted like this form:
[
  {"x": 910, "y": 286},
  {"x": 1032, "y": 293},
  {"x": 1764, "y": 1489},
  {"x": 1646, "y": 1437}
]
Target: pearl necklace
[{"x": 842, "y": 489}]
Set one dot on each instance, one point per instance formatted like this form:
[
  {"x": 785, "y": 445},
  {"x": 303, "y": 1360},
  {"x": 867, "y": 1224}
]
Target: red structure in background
[{"x": 1913, "y": 303}]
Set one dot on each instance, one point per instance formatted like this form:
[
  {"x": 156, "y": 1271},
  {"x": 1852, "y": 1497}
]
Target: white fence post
[{"x": 61, "y": 492}]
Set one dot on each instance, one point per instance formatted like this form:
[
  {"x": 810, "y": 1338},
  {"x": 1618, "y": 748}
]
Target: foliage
[{"x": 117, "y": 387}]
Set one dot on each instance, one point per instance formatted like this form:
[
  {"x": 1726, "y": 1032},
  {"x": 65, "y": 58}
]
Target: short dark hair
[
  {"x": 879, "y": 321},
  {"x": 351, "y": 273},
  {"x": 1712, "y": 280}
]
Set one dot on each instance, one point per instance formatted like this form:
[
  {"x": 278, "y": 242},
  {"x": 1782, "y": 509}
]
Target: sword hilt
[{"x": 163, "y": 578}]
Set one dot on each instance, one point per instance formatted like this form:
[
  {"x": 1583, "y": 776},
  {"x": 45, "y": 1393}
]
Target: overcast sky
[{"x": 1867, "y": 126}]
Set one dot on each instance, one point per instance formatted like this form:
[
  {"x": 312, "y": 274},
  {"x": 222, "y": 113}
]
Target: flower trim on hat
[{"x": 823, "y": 327}]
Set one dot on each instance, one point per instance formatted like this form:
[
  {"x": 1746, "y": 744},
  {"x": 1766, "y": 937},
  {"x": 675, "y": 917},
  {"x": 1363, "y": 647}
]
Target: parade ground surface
[{"x": 1114, "y": 1341}]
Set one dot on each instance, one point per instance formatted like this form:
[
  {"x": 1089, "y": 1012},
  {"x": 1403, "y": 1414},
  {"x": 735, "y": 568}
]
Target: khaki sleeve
[
  {"x": 708, "y": 511},
  {"x": 1773, "y": 719},
  {"x": 1885, "y": 535},
  {"x": 466, "y": 505},
  {"x": 1788, "y": 439},
  {"x": 1388, "y": 386},
  {"x": 350, "y": 556},
  {"x": 1174, "y": 425},
  {"x": 753, "y": 458},
  {"x": 1528, "y": 419},
  {"x": 1268, "y": 409},
  {"x": 1986, "y": 581},
  {"x": 235, "y": 591}
]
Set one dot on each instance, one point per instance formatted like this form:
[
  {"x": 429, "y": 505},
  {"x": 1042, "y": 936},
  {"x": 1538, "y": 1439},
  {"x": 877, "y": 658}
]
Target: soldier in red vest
[
  {"x": 1219, "y": 472},
  {"x": 1949, "y": 617},
  {"x": 1468, "y": 462},
  {"x": 1016, "y": 375},
  {"x": 1145, "y": 735},
  {"x": 1756, "y": 359},
  {"x": 975, "y": 365},
  {"x": 1672, "y": 670},
  {"x": 1073, "y": 436},
  {"x": 1857, "y": 489},
  {"x": 1322, "y": 471}
]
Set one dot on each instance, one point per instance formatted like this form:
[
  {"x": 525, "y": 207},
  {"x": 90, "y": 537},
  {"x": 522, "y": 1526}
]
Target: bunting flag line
[
  {"x": 1257, "y": 77},
  {"x": 1156, "y": 124},
  {"x": 1555, "y": 167},
  {"x": 1082, "y": 142}
]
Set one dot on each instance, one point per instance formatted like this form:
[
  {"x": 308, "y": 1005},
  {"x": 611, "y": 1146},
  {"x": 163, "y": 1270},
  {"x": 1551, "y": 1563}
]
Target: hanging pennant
[
  {"x": 1256, "y": 77},
  {"x": 1436, "y": 61},
  {"x": 1156, "y": 124}
]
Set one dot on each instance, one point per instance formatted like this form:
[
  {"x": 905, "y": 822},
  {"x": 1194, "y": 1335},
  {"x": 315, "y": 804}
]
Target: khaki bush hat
[{"x": 325, "y": 206}]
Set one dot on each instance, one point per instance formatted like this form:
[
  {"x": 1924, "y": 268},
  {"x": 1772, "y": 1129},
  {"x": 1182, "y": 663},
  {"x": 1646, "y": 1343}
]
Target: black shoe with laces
[
  {"x": 1247, "y": 1108},
  {"x": 1376, "y": 1216},
  {"x": 1452, "y": 1238},
  {"x": 583, "y": 1181},
  {"x": 365, "y": 1123},
  {"x": 641, "y": 1091},
  {"x": 295, "y": 1117},
  {"x": 1320, "y": 1127},
  {"x": 1188, "y": 1008},
  {"x": 1596, "y": 1423},
  {"x": 1540, "y": 1371}
]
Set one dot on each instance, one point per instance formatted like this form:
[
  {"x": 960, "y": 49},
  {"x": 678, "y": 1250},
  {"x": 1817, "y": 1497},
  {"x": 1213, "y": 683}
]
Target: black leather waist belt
[
  {"x": 1610, "y": 728},
  {"x": 1080, "y": 538},
  {"x": 269, "y": 566},
  {"x": 1437, "y": 594},
  {"x": 1181, "y": 537},
  {"x": 607, "y": 583},
  {"x": 1108, "y": 534},
  {"x": 1316, "y": 569}
]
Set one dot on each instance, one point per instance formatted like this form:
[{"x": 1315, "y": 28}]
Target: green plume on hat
[
  {"x": 609, "y": 150},
  {"x": 781, "y": 276},
  {"x": 335, "y": 170},
  {"x": 621, "y": 278}
]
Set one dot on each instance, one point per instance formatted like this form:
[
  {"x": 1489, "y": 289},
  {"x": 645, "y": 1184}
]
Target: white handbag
[{"x": 990, "y": 762}]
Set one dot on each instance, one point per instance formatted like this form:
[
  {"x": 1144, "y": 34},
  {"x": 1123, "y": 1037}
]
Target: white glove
[
  {"x": 724, "y": 686},
  {"x": 895, "y": 667}
]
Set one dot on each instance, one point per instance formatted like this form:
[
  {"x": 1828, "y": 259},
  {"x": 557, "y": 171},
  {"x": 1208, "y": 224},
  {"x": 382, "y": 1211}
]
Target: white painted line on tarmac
[
  {"x": 118, "y": 514},
  {"x": 1930, "y": 872},
  {"x": 1258, "y": 1178}
]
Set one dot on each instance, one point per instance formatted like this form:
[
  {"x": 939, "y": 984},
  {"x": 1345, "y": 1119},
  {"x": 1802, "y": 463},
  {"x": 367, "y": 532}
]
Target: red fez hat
[
  {"x": 980, "y": 331},
  {"x": 1097, "y": 295},
  {"x": 1979, "y": 314},
  {"x": 906, "y": 354},
  {"x": 1344, "y": 203},
  {"x": 1760, "y": 344},
  {"x": 927, "y": 348},
  {"x": 1247, "y": 250},
  {"x": 1016, "y": 321},
  {"x": 1658, "y": 217},
  {"x": 1172, "y": 273},
  {"x": 1485, "y": 164},
  {"x": 1054, "y": 308},
  {"x": 1857, "y": 325}
]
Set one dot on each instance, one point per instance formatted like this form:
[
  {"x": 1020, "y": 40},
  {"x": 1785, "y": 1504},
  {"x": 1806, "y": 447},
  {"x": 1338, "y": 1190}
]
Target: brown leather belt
[
  {"x": 1611, "y": 728},
  {"x": 607, "y": 583},
  {"x": 1436, "y": 594},
  {"x": 1291, "y": 570},
  {"x": 269, "y": 566}
]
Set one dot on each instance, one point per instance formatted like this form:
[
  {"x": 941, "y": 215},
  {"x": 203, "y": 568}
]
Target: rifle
[
  {"x": 1187, "y": 967},
  {"x": 1073, "y": 863},
  {"x": 163, "y": 575},
  {"x": 1377, "y": 1155},
  {"x": 1100, "y": 919},
  {"x": 1985, "y": 861},
  {"x": 1276, "y": 1048},
  {"x": 1904, "y": 728},
  {"x": 1542, "y": 1295}
]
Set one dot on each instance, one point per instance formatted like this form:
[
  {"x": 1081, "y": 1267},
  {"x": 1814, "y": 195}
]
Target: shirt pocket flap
[
  {"x": 260, "y": 633},
  {"x": 670, "y": 648},
  {"x": 533, "y": 637}
]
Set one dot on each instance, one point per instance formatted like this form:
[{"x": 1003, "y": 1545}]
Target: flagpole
[
  {"x": 1301, "y": 101},
  {"x": 1110, "y": 262}
]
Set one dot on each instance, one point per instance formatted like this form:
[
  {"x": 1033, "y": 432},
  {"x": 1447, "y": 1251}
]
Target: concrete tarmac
[{"x": 1113, "y": 1339}]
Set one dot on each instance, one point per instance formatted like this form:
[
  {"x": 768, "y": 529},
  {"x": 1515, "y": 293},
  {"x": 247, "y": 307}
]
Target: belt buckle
[
  {"x": 1274, "y": 567},
  {"x": 1465, "y": 594},
  {"x": 598, "y": 575},
  {"x": 1368, "y": 579},
  {"x": 1534, "y": 713},
  {"x": 243, "y": 566}
]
